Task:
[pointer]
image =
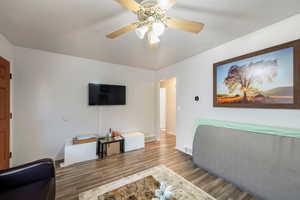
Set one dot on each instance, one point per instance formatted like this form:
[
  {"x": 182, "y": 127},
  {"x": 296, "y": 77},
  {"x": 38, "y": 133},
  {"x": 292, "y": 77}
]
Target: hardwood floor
[{"x": 84, "y": 176}]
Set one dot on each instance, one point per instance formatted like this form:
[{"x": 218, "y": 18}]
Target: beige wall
[{"x": 170, "y": 85}]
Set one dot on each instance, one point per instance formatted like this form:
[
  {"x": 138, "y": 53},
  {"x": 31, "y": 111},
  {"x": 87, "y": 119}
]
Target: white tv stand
[
  {"x": 75, "y": 153},
  {"x": 134, "y": 141}
]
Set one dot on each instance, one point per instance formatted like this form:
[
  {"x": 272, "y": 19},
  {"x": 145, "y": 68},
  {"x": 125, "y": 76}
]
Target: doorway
[
  {"x": 4, "y": 113},
  {"x": 168, "y": 106}
]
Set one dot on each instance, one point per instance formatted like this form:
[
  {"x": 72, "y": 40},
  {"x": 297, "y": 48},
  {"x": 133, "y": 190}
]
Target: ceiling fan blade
[
  {"x": 185, "y": 25},
  {"x": 166, "y": 4},
  {"x": 123, "y": 30},
  {"x": 130, "y": 4}
]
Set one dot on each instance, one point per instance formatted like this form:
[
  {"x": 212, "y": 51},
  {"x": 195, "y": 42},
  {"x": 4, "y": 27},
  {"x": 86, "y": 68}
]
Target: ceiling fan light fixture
[
  {"x": 158, "y": 28},
  {"x": 141, "y": 31},
  {"x": 153, "y": 38},
  {"x": 152, "y": 20},
  {"x": 164, "y": 4}
]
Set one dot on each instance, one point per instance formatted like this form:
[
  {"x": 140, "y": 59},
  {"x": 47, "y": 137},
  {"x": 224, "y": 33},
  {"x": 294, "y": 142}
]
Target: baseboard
[
  {"x": 151, "y": 138},
  {"x": 171, "y": 132},
  {"x": 184, "y": 151}
]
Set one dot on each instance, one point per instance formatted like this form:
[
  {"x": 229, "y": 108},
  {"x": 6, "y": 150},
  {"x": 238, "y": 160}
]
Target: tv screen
[{"x": 100, "y": 94}]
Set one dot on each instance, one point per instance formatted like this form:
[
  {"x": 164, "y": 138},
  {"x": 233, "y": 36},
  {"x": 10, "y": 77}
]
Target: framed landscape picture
[{"x": 264, "y": 79}]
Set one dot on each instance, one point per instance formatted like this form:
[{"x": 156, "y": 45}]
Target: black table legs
[{"x": 102, "y": 146}]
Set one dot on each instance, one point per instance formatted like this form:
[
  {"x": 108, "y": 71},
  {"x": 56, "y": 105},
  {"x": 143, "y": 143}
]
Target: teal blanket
[{"x": 251, "y": 127}]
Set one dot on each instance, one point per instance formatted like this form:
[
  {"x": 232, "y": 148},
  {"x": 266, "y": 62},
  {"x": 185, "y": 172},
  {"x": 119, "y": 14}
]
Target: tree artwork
[
  {"x": 264, "y": 79},
  {"x": 246, "y": 78}
]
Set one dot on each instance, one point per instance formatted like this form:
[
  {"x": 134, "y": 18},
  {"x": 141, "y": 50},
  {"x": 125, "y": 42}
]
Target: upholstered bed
[{"x": 266, "y": 165}]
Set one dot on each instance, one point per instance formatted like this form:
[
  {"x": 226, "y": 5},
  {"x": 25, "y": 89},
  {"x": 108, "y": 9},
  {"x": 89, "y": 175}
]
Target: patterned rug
[{"x": 142, "y": 186}]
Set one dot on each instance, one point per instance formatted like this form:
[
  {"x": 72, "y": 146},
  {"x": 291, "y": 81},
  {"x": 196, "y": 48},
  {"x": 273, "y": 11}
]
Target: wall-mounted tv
[{"x": 101, "y": 94}]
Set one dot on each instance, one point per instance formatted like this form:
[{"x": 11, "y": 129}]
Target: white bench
[
  {"x": 134, "y": 141},
  {"x": 79, "y": 152}
]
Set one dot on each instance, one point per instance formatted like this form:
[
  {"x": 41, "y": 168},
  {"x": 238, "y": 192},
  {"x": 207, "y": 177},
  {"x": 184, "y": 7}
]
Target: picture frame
[{"x": 269, "y": 78}]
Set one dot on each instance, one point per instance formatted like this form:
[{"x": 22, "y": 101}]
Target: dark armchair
[{"x": 34, "y": 181}]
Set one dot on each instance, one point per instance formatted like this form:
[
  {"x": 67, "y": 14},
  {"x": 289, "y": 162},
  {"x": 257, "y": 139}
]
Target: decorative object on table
[
  {"x": 109, "y": 134},
  {"x": 269, "y": 78},
  {"x": 116, "y": 134},
  {"x": 164, "y": 192},
  {"x": 84, "y": 139},
  {"x": 118, "y": 137},
  {"x": 110, "y": 146},
  {"x": 142, "y": 185}
]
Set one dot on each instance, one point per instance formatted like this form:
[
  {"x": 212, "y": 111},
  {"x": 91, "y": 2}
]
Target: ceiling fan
[{"x": 153, "y": 20}]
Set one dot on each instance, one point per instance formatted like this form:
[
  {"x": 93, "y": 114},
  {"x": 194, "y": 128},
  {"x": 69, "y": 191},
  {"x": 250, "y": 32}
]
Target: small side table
[{"x": 103, "y": 142}]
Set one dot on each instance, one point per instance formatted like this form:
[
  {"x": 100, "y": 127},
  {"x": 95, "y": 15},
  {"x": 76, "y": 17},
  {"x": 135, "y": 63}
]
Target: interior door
[{"x": 4, "y": 112}]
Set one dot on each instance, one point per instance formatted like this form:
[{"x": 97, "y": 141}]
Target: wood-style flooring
[{"x": 84, "y": 176}]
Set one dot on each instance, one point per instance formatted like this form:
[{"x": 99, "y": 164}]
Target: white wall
[
  {"x": 6, "y": 48},
  {"x": 6, "y": 51},
  {"x": 51, "y": 101},
  {"x": 195, "y": 78}
]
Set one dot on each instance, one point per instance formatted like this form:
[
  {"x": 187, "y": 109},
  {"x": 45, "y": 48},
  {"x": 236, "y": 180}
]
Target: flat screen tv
[{"x": 101, "y": 94}]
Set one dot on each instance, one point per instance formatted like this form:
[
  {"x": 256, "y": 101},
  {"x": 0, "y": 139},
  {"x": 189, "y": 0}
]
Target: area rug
[{"x": 142, "y": 186}]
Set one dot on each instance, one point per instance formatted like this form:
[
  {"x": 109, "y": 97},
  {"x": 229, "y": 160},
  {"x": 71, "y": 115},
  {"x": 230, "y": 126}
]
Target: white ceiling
[{"x": 78, "y": 27}]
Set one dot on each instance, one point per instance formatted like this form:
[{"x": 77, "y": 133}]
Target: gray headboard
[{"x": 267, "y": 166}]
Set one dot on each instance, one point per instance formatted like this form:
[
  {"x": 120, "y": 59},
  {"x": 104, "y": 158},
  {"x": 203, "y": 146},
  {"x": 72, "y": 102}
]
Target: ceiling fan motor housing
[
  {"x": 150, "y": 12},
  {"x": 149, "y": 3}
]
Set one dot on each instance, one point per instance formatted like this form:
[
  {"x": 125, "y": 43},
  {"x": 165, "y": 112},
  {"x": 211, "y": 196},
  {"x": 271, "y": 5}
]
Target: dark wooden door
[{"x": 4, "y": 112}]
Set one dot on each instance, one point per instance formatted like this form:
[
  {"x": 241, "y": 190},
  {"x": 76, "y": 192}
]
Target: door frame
[
  {"x": 157, "y": 121},
  {"x": 164, "y": 112}
]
